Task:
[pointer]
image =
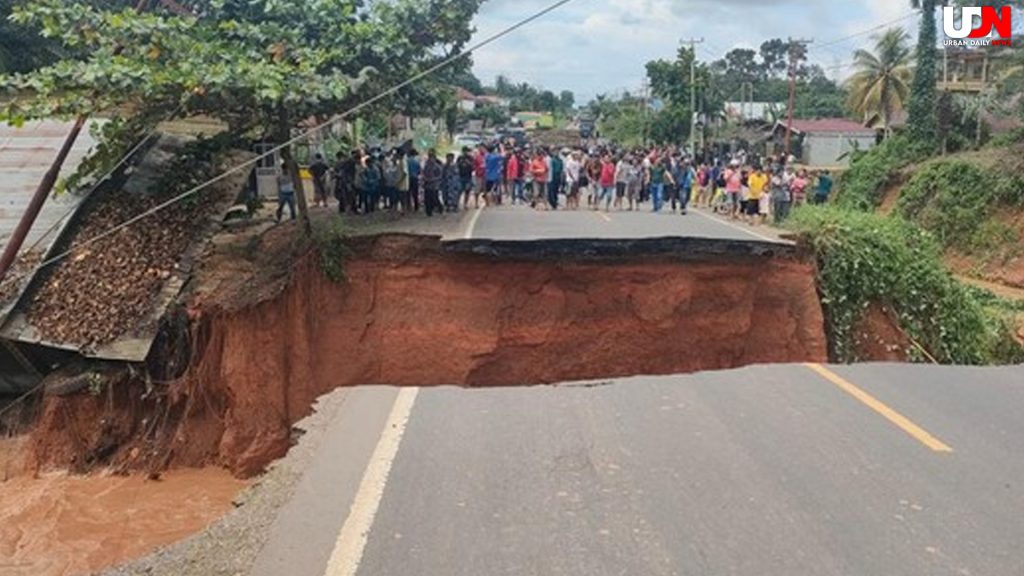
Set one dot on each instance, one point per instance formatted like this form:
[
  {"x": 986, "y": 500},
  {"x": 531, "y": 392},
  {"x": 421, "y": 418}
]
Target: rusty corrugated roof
[{"x": 25, "y": 155}]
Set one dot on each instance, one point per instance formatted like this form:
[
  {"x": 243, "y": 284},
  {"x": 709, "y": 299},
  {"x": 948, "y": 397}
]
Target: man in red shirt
[
  {"x": 607, "y": 182},
  {"x": 512, "y": 176}
]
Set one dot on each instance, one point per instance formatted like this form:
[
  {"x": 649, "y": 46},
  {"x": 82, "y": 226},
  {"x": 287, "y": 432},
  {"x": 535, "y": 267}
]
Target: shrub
[
  {"x": 331, "y": 246},
  {"x": 861, "y": 186},
  {"x": 955, "y": 200},
  {"x": 864, "y": 258}
]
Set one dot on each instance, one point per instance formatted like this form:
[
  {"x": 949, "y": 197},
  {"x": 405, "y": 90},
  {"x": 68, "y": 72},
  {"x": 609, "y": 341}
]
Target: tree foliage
[
  {"x": 956, "y": 200},
  {"x": 524, "y": 96},
  {"x": 21, "y": 49},
  {"x": 922, "y": 121},
  {"x": 766, "y": 71},
  {"x": 881, "y": 82},
  {"x": 866, "y": 259},
  {"x": 261, "y": 66},
  {"x": 670, "y": 81}
]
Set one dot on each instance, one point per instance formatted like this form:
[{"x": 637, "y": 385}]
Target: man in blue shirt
[
  {"x": 493, "y": 164},
  {"x": 824, "y": 189},
  {"x": 686, "y": 180},
  {"x": 414, "y": 178}
]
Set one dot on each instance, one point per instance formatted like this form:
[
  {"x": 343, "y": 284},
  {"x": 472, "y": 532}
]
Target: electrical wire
[
  {"x": 863, "y": 32},
  {"x": 121, "y": 162},
  {"x": 270, "y": 152}
]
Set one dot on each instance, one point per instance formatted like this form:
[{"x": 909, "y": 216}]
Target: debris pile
[
  {"x": 16, "y": 277},
  {"x": 107, "y": 287}
]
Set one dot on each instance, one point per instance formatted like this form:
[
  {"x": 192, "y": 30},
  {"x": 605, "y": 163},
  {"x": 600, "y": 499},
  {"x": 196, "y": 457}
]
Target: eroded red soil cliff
[{"x": 412, "y": 312}]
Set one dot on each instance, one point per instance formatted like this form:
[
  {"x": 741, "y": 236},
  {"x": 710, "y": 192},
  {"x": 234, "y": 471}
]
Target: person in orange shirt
[{"x": 539, "y": 169}]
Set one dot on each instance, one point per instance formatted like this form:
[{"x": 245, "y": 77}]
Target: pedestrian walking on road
[
  {"x": 734, "y": 189},
  {"x": 572, "y": 180},
  {"x": 414, "y": 169},
  {"x": 433, "y": 175},
  {"x": 493, "y": 167},
  {"x": 607, "y": 183},
  {"x": 659, "y": 176},
  {"x": 343, "y": 174},
  {"x": 593, "y": 169},
  {"x": 373, "y": 181},
  {"x": 555, "y": 179},
  {"x": 318, "y": 170},
  {"x": 465, "y": 166},
  {"x": 621, "y": 181},
  {"x": 781, "y": 198},
  {"x": 798, "y": 187},
  {"x": 285, "y": 192},
  {"x": 758, "y": 182},
  {"x": 824, "y": 188},
  {"x": 450, "y": 184},
  {"x": 634, "y": 182},
  {"x": 539, "y": 170}
]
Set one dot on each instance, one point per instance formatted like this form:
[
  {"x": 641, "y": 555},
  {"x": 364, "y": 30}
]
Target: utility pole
[
  {"x": 644, "y": 107},
  {"x": 693, "y": 92},
  {"x": 792, "y": 88},
  {"x": 747, "y": 101}
]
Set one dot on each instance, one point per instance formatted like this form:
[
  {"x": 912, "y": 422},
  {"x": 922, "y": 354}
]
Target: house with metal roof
[{"x": 824, "y": 142}]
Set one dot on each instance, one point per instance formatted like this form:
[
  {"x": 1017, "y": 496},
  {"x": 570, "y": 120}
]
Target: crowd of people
[{"x": 546, "y": 178}]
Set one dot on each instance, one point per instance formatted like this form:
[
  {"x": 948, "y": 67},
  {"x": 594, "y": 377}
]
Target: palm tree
[{"x": 881, "y": 84}]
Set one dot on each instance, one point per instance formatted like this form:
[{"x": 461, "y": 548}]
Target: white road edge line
[
  {"x": 348, "y": 550},
  {"x": 740, "y": 228},
  {"x": 472, "y": 223}
]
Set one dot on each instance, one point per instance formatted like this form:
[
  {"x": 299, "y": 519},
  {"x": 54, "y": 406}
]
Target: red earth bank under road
[{"x": 411, "y": 314}]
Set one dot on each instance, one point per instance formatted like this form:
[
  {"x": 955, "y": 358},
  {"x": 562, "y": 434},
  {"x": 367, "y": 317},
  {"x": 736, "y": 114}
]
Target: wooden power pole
[
  {"x": 693, "y": 92},
  {"x": 793, "y": 43}
]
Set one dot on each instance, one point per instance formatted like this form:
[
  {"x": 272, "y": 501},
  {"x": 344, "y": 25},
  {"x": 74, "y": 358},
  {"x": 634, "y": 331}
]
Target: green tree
[
  {"x": 21, "y": 49},
  {"x": 467, "y": 80},
  {"x": 775, "y": 57},
  {"x": 817, "y": 95},
  {"x": 881, "y": 83},
  {"x": 566, "y": 100},
  {"x": 258, "y": 65},
  {"x": 922, "y": 121},
  {"x": 976, "y": 106},
  {"x": 670, "y": 82}
]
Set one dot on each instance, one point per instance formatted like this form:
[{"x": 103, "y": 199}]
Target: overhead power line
[
  {"x": 270, "y": 152},
  {"x": 865, "y": 32}
]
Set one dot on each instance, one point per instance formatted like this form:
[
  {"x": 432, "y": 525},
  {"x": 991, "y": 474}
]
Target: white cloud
[{"x": 597, "y": 46}]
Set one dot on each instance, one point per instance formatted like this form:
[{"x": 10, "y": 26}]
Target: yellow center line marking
[{"x": 901, "y": 421}]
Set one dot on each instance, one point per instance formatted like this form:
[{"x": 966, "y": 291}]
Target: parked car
[{"x": 465, "y": 140}]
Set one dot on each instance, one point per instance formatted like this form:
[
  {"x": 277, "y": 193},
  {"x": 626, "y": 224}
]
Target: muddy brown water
[{"x": 61, "y": 525}]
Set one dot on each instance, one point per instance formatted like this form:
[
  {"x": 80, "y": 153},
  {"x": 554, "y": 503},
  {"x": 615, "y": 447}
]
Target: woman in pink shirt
[
  {"x": 733, "y": 189},
  {"x": 798, "y": 188}
]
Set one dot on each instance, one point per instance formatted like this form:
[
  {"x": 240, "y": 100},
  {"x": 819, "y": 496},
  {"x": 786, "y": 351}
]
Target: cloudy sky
[{"x": 601, "y": 46}]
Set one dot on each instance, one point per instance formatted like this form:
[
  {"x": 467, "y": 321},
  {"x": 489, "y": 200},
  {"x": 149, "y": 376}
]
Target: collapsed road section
[{"x": 415, "y": 311}]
